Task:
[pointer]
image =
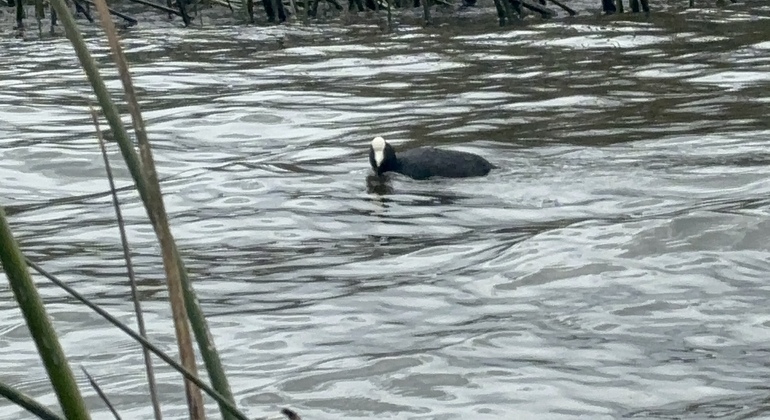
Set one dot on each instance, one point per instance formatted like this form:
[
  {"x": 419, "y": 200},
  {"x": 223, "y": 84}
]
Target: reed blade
[
  {"x": 208, "y": 350},
  {"x": 101, "y": 393},
  {"x": 130, "y": 271},
  {"x": 155, "y": 206},
  {"x": 40, "y": 327},
  {"x": 198, "y": 321},
  {"x": 138, "y": 338},
  {"x": 28, "y": 403}
]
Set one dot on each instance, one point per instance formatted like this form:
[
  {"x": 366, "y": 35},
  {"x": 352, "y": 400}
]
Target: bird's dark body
[{"x": 427, "y": 162}]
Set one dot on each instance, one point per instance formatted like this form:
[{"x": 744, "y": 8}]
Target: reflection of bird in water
[{"x": 378, "y": 184}]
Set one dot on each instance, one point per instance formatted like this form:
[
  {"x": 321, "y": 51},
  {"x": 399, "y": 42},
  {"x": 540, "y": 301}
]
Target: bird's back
[{"x": 425, "y": 162}]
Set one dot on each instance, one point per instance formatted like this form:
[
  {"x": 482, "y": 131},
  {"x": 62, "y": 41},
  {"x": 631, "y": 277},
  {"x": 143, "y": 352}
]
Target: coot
[{"x": 426, "y": 162}]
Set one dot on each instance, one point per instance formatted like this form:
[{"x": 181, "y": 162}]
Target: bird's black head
[{"x": 382, "y": 156}]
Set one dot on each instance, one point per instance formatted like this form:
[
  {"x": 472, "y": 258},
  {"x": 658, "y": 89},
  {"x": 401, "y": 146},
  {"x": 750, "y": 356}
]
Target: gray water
[{"x": 616, "y": 265}]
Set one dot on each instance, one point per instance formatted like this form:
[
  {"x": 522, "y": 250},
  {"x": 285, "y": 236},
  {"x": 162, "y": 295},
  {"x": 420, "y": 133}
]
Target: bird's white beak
[{"x": 378, "y": 145}]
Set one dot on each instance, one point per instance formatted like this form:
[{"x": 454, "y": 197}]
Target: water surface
[{"x": 615, "y": 265}]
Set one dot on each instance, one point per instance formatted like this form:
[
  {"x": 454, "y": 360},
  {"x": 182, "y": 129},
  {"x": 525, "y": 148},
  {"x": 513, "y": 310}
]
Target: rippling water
[{"x": 615, "y": 266}]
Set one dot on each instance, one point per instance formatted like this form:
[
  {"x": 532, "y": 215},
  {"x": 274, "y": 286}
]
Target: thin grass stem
[
  {"x": 141, "y": 340},
  {"x": 130, "y": 271},
  {"x": 197, "y": 320},
  {"x": 160, "y": 221},
  {"x": 101, "y": 393}
]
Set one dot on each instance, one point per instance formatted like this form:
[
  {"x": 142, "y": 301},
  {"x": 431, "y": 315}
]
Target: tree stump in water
[{"x": 636, "y": 6}]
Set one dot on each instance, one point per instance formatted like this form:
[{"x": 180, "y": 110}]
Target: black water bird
[{"x": 426, "y": 162}]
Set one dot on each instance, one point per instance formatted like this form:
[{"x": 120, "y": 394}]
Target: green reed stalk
[
  {"x": 197, "y": 320},
  {"x": 28, "y": 403},
  {"x": 102, "y": 95},
  {"x": 56, "y": 364},
  {"x": 160, "y": 220},
  {"x": 130, "y": 271},
  {"x": 139, "y": 339}
]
